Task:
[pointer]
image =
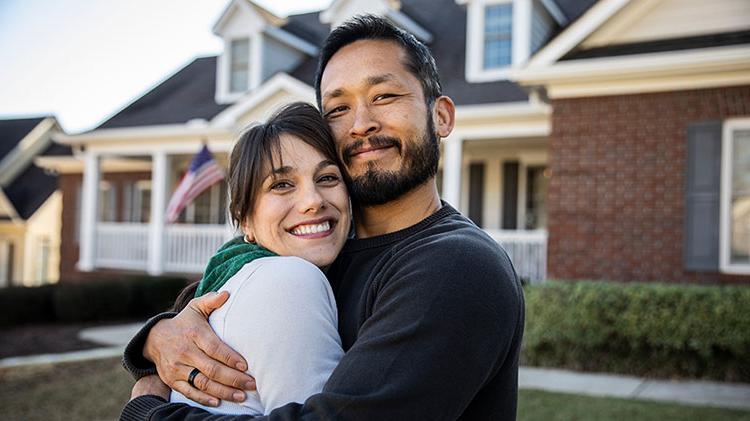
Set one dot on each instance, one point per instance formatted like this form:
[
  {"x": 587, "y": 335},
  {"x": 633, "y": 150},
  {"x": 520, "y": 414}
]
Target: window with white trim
[
  {"x": 239, "y": 65},
  {"x": 735, "y": 214},
  {"x": 498, "y": 36}
]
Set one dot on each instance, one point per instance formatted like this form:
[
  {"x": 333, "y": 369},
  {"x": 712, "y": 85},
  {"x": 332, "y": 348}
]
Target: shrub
[
  {"x": 647, "y": 329},
  {"x": 26, "y": 305},
  {"x": 93, "y": 300}
]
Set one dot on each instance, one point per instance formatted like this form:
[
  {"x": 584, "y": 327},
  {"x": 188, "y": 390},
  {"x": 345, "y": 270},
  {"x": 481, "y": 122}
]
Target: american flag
[{"x": 202, "y": 174}]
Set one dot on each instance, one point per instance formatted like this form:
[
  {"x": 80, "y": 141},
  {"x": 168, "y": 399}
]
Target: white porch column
[
  {"x": 159, "y": 181},
  {"x": 452, "y": 159},
  {"x": 89, "y": 214}
]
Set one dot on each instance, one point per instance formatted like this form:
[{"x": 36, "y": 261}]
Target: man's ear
[{"x": 444, "y": 116}]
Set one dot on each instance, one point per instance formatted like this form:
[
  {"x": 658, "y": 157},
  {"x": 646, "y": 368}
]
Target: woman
[{"x": 289, "y": 199}]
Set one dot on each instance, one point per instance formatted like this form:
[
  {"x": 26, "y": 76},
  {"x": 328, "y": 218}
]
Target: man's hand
[
  {"x": 150, "y": 385},
  {"x": 187, "y": 341}
]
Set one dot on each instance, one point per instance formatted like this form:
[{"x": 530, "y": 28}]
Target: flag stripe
[{"x": 203, "y": 172}]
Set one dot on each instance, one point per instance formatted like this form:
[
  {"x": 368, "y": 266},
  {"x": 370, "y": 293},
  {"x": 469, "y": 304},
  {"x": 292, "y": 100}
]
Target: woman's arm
[{"x": 282, "y": 319}]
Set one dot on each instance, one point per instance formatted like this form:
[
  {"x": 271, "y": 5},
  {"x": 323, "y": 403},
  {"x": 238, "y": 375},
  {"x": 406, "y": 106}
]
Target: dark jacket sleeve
[
  {"x": 439, "y": 326},
  {"x": 133, "y": 360}
]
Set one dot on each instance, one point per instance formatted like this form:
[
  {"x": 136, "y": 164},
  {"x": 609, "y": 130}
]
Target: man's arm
[
  {"x": 436, "y": 332},
  {"x": 186, "y": 341}
]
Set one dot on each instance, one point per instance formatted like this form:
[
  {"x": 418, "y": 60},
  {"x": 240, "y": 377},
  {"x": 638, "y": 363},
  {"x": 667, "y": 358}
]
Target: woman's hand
[
  {"x": 150, "y": 385},
  {"x": 187, "y": 341}
]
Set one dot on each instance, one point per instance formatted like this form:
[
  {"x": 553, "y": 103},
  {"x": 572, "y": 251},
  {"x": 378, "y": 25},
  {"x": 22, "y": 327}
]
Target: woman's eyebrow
[{"x": 324, "y": 163}]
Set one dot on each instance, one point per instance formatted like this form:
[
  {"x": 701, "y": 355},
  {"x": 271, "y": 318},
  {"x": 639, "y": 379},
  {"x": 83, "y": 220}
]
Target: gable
[
  {"x": 652, "y": 20},
  {"x": 341, "y": 10}
]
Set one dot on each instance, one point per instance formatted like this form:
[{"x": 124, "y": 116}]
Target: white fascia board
[
  {"x": 510, "y": 110},
  {"x": 597, "y": 15},
  {"x": 223, "y": 18},
  {"x": 291, "y": 40},
  {"x": 637, "y": 66},
  {"x": 250, "y": 7},
  {"x": 281, "y": 81},
  {"x": 407, "y": 23},
  {"x": 555, "y": 12},
  {"x": 32, "y": 144},
  {"x": 140, "y": 132},
  {"x": 6, "y": 204}
]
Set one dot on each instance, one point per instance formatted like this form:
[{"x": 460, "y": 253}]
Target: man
[{"x": 430, "y": 308}]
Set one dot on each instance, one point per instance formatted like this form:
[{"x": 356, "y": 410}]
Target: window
[
  {"x": 239, "y": 66},
  {"x": 138, "y": 202},
  {"x": 107, "y": 202},
  {"x": 735, "y": 247},
  {"x": 210, "y": 207},
  {"x": 6, "y": 263},
  {"x": 498, "y": 34},
  {"x": 536, "y": 197},
  {"x": 42, "y": 270}
]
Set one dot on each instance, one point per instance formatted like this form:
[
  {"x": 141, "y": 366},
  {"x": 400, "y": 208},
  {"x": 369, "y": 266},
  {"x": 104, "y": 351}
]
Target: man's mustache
[{"x": 374, "y": 142}]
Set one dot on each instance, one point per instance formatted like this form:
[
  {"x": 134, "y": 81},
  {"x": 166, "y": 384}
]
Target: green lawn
[{"x": 97, "y": 390}]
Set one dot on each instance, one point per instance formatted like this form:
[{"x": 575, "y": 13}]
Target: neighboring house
[
  {"x": 510, "y": 145},
  {"x": 30, "y": 205},
  {"x": 650, "y": 143}
]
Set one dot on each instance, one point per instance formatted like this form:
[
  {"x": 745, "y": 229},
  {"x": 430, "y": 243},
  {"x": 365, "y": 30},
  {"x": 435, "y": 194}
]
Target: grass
[{"x": 97, "y": 390}]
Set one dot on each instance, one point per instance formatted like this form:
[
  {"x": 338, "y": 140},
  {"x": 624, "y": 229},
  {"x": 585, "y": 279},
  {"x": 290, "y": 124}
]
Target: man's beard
[{"x": 377, "y": 186}]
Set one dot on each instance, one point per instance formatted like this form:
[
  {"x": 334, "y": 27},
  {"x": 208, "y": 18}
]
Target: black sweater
[{"x": 431, "y": 319}]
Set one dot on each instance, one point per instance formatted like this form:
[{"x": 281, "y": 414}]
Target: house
[
  {"x": 650, "y": 141},
  {"x": 528, "y": 161},
  {"x": 30, "y": 204}
]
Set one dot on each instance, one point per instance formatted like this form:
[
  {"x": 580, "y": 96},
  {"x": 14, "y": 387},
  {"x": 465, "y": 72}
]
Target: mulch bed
[{"x": 43, "y": 339}]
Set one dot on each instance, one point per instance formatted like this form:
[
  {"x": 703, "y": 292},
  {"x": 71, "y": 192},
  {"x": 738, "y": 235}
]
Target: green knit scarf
[{"x": 227, "y": 261}]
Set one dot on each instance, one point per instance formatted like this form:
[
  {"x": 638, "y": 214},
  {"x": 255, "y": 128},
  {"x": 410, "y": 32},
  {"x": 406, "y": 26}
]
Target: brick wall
[
  {"x": 70, "y": 185},
  {"x": 616, "y": 194}
]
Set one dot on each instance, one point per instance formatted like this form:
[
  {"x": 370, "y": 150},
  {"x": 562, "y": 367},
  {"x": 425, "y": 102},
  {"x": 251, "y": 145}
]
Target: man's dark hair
[{"x": 419, "y": 60}]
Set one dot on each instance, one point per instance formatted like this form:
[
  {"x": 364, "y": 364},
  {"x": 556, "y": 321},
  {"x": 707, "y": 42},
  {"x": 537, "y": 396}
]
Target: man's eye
[
  {"x": 384, "y": 96},
  {"x": 335, "y": 112}
]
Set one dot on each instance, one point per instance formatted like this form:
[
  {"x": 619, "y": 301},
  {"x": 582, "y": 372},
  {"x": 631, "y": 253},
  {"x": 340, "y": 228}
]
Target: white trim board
[{"x": 729, "y": 127}]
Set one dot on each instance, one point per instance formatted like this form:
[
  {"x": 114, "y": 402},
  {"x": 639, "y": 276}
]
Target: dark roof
[
  {"x": 186, "y": 95},
  {"x": 308, "y": 27},
  {"x": 13, "y": 130},
  {"x": 33, "y": 186},
  {"x": 573, "y": 9},
  {"x": 189, "y": 93},
  {"x": 674, "y": 44},
  {"x": 56, "y": 149}
]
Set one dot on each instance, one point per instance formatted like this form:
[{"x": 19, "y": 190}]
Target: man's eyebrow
[
  {"x": 333, "y": 94},
  {"x": 371, "y": 81},
  {"x": 378, "y": 79}
]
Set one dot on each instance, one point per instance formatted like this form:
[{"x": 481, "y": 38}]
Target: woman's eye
[
  {"x": 329, "y": 179},
  {"x": 280, "y": 185}
]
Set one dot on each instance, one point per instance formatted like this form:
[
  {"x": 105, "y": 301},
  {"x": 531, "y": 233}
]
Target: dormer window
[
  {"x": 498, "y": 35},
  {"x": 240, "y": 65},
  {"x": 502, "y": 34}
]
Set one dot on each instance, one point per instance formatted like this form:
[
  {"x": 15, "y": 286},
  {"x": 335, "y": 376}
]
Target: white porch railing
[
  {"x": 527, "y": 250},
  {"x": 121, "y": 245},
  {"x": 188, "y": 247}
]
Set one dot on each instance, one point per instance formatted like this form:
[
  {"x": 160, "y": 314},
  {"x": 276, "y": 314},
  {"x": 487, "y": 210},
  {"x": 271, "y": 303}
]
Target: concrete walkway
[{"x": 701, "y": 393}]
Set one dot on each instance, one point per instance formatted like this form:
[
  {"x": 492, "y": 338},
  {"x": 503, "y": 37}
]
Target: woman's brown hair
[{"x": 252, "y": 159}]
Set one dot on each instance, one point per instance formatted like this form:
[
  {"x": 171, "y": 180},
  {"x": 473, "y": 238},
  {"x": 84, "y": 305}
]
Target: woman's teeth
[{"x": 311, "y": 229}]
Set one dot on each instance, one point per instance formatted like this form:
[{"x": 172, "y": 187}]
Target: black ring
[{"x": 192, "y": 375}]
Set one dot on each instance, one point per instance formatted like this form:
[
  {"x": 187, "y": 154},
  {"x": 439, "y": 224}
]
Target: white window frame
[
  {"x": 725, "y": 235},
  {"x": 224, "y": 67},
  {"x": 520, "y": 39}
]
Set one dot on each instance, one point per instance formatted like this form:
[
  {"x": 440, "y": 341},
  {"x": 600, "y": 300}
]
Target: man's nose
[{"x": 364, "y": 123}]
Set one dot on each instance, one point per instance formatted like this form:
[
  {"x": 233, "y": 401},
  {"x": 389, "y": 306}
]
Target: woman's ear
[{"x": 248, "y": 231}]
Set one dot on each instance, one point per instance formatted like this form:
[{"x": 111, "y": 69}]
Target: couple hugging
[{"x": 391, "y": 306}]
